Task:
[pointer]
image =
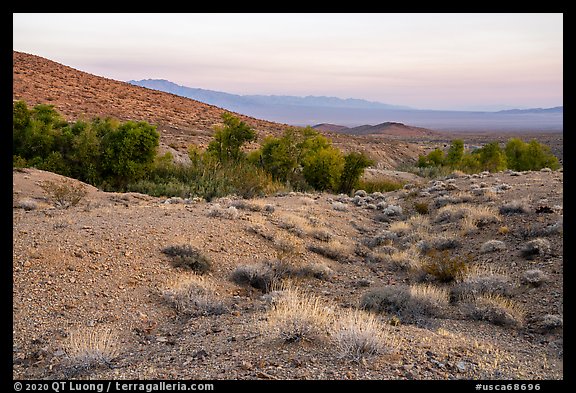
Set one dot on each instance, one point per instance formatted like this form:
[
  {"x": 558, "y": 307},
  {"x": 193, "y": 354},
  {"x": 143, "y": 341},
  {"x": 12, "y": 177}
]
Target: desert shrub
[
  {"x": 538, "y": 246},
  {"x": 518, "y": 206},
  {"x": 408, "y": 302},
  {"x": 27, "y": 204},
  {"x": 259, "y": 276},
  {"x": 217, "y": 210},
  {"x": 269, "y": 274},
  {"x": 492, "y": 246},
  {"x": 321, "y": 234},
  {"x": 552, "y": 322},
  {"x": 339, "y": 206},
  {"x": 194, "y": 295},
  {"x": 319, "y": 271},
  {"x": 533, "y": 277},
  {"x": 358, "y": 334},
  {"x": 384, "y": 237},
  {"x": 64, "y": 193},
  {"x": 421, "y": 207},
  {"x": 322, "y": 168},
  {"x": 443, "y": 267},
  {"x": 479, "y": 281},
  {"x": 188, "y": 257},
  {"x": 437, "y": 243}
]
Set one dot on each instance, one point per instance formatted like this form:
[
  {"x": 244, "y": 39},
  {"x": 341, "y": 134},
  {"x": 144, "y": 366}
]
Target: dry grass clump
[
  {"x": 419, "y": 223},
  {"x": 400, "y": 228},
  {"x": 404, "y": 260},
  {"x": 479, "y": 215},
  {"x": 298, "y": 317},
  {"x": 482, "y": 215},
  {"x": 334, "y": 250},
  {"x": 441, "y": 266},
  {"x": 496, "y": 309},
  {"x": 194, "y": 295},
  {"x": 260, "y": 230},
  {"x": 395, "y": 259},
  {"x": 287, "y": 246},
  {"x": 89, "y": 348},
  {"x": 188, "y": 257},
  {"x": 358, "y": 334},
  {"x": 320, "y": 234},
  {"x": 460, "y": 197},
  {"x": 429, "y": 298},
  {"x": 294, "y": 224}
]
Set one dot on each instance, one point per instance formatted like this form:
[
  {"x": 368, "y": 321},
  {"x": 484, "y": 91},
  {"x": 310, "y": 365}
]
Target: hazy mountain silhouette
[{"x": 351, "y": 112}]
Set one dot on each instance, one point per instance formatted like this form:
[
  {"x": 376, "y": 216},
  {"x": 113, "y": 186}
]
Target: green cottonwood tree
[{"x": 229, "y": 138}]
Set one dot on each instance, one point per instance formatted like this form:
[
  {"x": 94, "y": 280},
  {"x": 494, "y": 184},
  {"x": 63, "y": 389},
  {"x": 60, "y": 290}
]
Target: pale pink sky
[{"x": 426, "y": 61}]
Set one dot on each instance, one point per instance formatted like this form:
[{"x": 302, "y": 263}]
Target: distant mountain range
[
  {"x": 350, "y": 113},
  {"x": 234, "y": 102}
]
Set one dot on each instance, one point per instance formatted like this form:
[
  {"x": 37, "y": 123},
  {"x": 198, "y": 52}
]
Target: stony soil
[{"x": 99, "y": 265}]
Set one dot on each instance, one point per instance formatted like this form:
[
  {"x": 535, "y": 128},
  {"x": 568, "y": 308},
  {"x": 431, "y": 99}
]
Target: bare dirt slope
[{"x": 97, "y": 270}]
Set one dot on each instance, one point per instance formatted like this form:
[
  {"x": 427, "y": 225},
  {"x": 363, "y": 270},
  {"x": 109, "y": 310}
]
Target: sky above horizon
[{"x": 474, "y": 61}]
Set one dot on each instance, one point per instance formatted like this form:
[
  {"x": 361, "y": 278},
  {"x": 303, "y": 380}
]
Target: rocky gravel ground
[{"x": 95, "y": 291}]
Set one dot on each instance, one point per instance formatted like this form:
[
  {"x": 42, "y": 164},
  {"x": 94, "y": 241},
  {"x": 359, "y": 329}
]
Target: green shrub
[
  {"x": 421, "y": 207},
  {"x": 354, "y": 165},
  {"x": 380, "y": 185}
]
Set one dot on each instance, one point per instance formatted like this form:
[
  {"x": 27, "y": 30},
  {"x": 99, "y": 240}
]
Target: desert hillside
[
  {"x": 455, "y": 278},
  {"x": 292, "y": 286},
  {"x": 180, "y": 121}
]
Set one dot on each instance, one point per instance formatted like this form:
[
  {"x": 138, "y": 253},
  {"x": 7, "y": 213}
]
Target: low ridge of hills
[{"x": 386, "y": 128}]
